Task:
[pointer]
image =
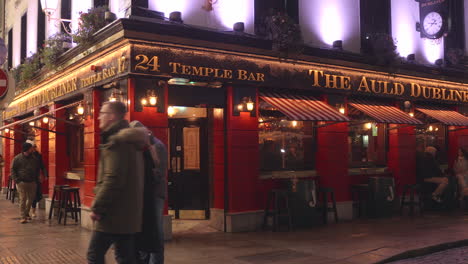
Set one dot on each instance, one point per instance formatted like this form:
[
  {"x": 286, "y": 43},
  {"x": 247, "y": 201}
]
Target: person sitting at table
[
  {"x": 433, "y": 174},
  {"x": 460, "y": 168}
]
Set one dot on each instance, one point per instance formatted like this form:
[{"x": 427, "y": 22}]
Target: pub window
[
  {"x": 65, "y": 12},
  {"x": 375, "y": 19},
  {"x": 433, "y": 135},
  {"x": 367, "y": 144},
  {"x": 10, "y": 48},
  {"x": 24, "y": 35},
  {"x": 265, "y": 8},
  {"x": 285, "y": 144},
  {"x": 75, "y": 139},
  {"x": 41, "y": 34}
]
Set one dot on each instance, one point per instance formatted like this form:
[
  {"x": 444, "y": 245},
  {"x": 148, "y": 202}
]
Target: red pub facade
[{"x": 237, "y": 120}]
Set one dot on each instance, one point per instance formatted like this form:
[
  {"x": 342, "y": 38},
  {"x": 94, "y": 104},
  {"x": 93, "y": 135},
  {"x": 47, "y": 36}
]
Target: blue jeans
[
  {"x": 124, "y": 245},
  {"x": 158, "y": 256}
]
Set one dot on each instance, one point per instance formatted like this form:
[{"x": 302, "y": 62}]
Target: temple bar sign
[{"x": 257, "y": 72}]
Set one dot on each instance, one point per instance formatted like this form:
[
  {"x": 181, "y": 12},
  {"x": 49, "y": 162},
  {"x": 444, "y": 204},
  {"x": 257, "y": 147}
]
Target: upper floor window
[
  {"x": 375, "y": 19},
  {"x": 24, "y": 36}
]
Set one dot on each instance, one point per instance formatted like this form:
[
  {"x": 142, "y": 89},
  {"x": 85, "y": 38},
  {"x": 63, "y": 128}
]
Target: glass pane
[{"x": 367, "y": 144}]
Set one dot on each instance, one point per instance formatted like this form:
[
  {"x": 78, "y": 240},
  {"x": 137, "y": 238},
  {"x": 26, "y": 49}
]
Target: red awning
[
  {"x": 445, "y": 116},
  {"x": 303, "y": 108},
  {"x": 383, "y": 113}
]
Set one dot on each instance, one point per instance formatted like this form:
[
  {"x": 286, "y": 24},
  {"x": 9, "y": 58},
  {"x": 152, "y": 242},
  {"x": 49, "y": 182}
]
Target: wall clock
[{"x": 433, "y": 18}]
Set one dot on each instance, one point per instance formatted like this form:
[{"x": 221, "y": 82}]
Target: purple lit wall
[
  {"x": 323, "y": 22},
  {"x": 405, "y": 14},
  {"x": 223, "y": 16}
]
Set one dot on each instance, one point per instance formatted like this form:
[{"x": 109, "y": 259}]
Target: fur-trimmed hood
[{"x": 137, "y": 136}]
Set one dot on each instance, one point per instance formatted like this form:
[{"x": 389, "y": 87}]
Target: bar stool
[
  {"x": 359, "y": 196},
  {"x": 11, "y": 190},
  {"x": 412, "y": 190},
  {"x": 56, "y": 199},
  {"x": 71, "y": 203},
  {"x": 323, "y": 193},
  {"x": 281, "y": 208}
]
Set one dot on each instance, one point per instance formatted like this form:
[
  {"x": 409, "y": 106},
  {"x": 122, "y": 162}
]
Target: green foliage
[
  {"x": 29, "y": 69},
  {"x": 383, "y": 48},
  {"x": 89, "y": 23},
  {"x": 53, "y": 49},
  {"x": 284, "y": 32}
]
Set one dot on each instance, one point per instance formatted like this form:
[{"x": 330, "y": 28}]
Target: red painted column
[
  {"x": 91, "y": 148},
  {"x": 42, "y": 142},
  {"x": 401, "y": 156},
  {"x": 242, "y": 159},
  {"x": 7, "y": 157},
  {"x": 218, "y": 159},
  {"x": 58, "y": 158},
  {"x": 332, "y": 159}
]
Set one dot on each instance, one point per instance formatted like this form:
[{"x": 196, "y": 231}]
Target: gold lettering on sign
[
  {"x": 145, "y": 63},
  {"x": 363, "y": 86}
]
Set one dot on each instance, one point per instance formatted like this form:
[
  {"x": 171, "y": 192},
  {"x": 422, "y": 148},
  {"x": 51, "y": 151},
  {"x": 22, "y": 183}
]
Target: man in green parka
[{"x": 118, "y": 205}]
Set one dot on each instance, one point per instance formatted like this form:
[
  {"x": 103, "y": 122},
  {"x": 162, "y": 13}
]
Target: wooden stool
[
  {"x": 71, "y": 203},
  {"x": 56, "y": 198},
  {"x": 324, "y": 206},
  {"x": 359, "y": 196},
  {"x": 412, "y": 190},
  {"x": 280, "y": 201}
]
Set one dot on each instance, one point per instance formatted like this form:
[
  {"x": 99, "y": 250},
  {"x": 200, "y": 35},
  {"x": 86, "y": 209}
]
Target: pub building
[{"x": 237, "y": 120}]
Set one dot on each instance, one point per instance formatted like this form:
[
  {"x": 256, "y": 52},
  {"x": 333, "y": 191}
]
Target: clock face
[{"x": 432, "y": 23}]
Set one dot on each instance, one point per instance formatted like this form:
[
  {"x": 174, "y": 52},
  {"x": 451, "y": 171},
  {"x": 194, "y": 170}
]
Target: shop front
[{"x": 237, "y": 124}]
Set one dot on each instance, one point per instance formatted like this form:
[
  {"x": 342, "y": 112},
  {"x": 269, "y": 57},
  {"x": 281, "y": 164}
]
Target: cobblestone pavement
[
  {"x": 194, "y": 242},
  {"x": 451, "y": 256}
]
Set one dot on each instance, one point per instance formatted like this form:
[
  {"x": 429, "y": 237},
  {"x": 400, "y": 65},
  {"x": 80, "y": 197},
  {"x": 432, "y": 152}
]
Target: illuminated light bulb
[
  {"x": 153, "y": 100},
  {"x": 170, "y": 111},
  {"x": 411, "y": 114},
  {"x": 45, "y": 120},
  {"x": 283, "y": 151},
  {"x": 294, "y": 123},
  {"x": 240, "y": 107},
  {"x": 80, "y": 109},
  {"x": 430, "y": 128},
  {"x": 31, "y": 123},
  {"x": 436, "y": 129},
  {"x": 7, "y": 130},
  {"x": 112, "y": 98},
  {"x": 250, "y": 105},
  {"x": 342, "y": 110},
  {"x": 368, "y": 125},
  {"x": 144, "y": 102},
  {"x": 260, "y": 120}
]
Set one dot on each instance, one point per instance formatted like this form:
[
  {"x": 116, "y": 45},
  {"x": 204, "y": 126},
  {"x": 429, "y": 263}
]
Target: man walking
[
  {"x": 24, "y": 172},
  {"x": 41, "y": 167},
  {"x": 118, "y": 205}
]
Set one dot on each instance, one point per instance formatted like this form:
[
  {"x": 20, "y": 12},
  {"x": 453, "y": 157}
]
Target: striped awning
[
  {"x": 302, "y": 108},
  {"x": 383, "y": 113},
  {"x": 444, "y": 115}
]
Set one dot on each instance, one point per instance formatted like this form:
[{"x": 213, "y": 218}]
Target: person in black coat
[
  {"x": 42, "y": 169},
  {"x": 150, "y": 242},
  {"x": 432, "y": 173}
]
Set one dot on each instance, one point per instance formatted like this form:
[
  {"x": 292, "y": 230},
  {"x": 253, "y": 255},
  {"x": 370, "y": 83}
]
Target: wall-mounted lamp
[
  {"x": 7, "y": 130},
  {"x": 80, "y": 109},
  {"x": 411, "y": 57},
  {"x": 171, "y": 111},
  {"x": 32, "y": 123},
  {"x": 239, "y": 27},
  {"x": 368, "y": 125},
  {"x": 439, "y": 62},
  {"x": 151, "y": 99},
  {"x": 294, "y": 123},
  {"x": 45, "y": 120},
  {"x": 96, "y": 68},
  {"x": 116, "y": 95},
  {"x": 176, "y": 16},
  {"x": 430, "y": 128},
  {"x": 337, "y": 44},
  {"x": 341, "y": 108},
  {"x": 247, "y": 104},
  {"x": 411, "y": 114}
]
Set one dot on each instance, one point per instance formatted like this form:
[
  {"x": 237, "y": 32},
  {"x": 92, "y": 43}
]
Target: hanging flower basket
[{"x": 90, "y": 23}]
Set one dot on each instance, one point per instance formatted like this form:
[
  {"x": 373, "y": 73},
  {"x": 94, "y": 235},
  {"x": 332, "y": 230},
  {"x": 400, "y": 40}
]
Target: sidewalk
[{"x": 360, "y": 242}]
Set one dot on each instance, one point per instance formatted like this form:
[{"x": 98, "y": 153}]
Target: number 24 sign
[{"x": 145, "y": 63}]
